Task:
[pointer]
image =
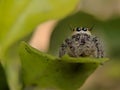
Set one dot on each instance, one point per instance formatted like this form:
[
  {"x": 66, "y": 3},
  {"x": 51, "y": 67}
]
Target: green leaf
[
  {"x": 19, "y": 17},
  {"x": 44, "y": 71},
  {"x": 3, "y": 81}
]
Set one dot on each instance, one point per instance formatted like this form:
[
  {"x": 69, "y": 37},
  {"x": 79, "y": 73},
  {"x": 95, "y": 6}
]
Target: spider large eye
[
  {"x": 78, "y": 29},
  {"x": 84, "y": 29}
]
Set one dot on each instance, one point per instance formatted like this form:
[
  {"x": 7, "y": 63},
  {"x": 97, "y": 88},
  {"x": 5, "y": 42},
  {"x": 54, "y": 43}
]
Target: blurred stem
[{"x": 41, "y": 37}]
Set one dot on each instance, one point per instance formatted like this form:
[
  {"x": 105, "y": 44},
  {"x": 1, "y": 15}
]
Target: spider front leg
[
  {"x": 67, "y": 47},
  {"x": 99, "y": 47},
  {"x": 62, "y": 50}
]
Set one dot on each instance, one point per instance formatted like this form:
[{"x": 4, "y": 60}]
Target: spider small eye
[
  {"x": 73, "y": 29},
  {"x": 78, "y": 29},
  {"x": 84, "y": 29}
]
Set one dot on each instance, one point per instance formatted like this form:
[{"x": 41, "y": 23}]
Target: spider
[{"x": 82, "y": 44}]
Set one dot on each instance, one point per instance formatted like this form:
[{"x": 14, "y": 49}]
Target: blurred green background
[{"x": 18, "y": 20}]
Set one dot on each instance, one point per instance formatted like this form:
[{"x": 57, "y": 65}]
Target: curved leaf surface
[{"x": 44, "y": 71}]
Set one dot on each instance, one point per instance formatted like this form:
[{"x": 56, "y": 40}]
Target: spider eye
[
  {"x": 84, "y": 29},
  {"x": 78, "y": 29},
  {"x": 73, "y": 29}
]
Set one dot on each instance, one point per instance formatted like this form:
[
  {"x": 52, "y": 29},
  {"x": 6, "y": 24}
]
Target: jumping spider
[{"x": 82, "y": 44}]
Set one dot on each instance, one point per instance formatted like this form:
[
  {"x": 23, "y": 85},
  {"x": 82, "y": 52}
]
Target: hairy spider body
[{"x": 82, "y": 44}]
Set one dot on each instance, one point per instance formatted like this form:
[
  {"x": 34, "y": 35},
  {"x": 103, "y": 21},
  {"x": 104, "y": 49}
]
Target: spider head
[{"x": 81, "y": 30}]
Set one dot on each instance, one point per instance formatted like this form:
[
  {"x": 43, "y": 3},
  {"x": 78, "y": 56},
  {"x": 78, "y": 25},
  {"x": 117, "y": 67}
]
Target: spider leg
[
  {"x": 87, "y": 46},
  {"x": 99, "y": 47},
  {"x": 63, "y": 49},
  {"x": 71, "y": 51}
]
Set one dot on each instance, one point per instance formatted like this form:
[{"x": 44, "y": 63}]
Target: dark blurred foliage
[{"x": 3, "y": 82}]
